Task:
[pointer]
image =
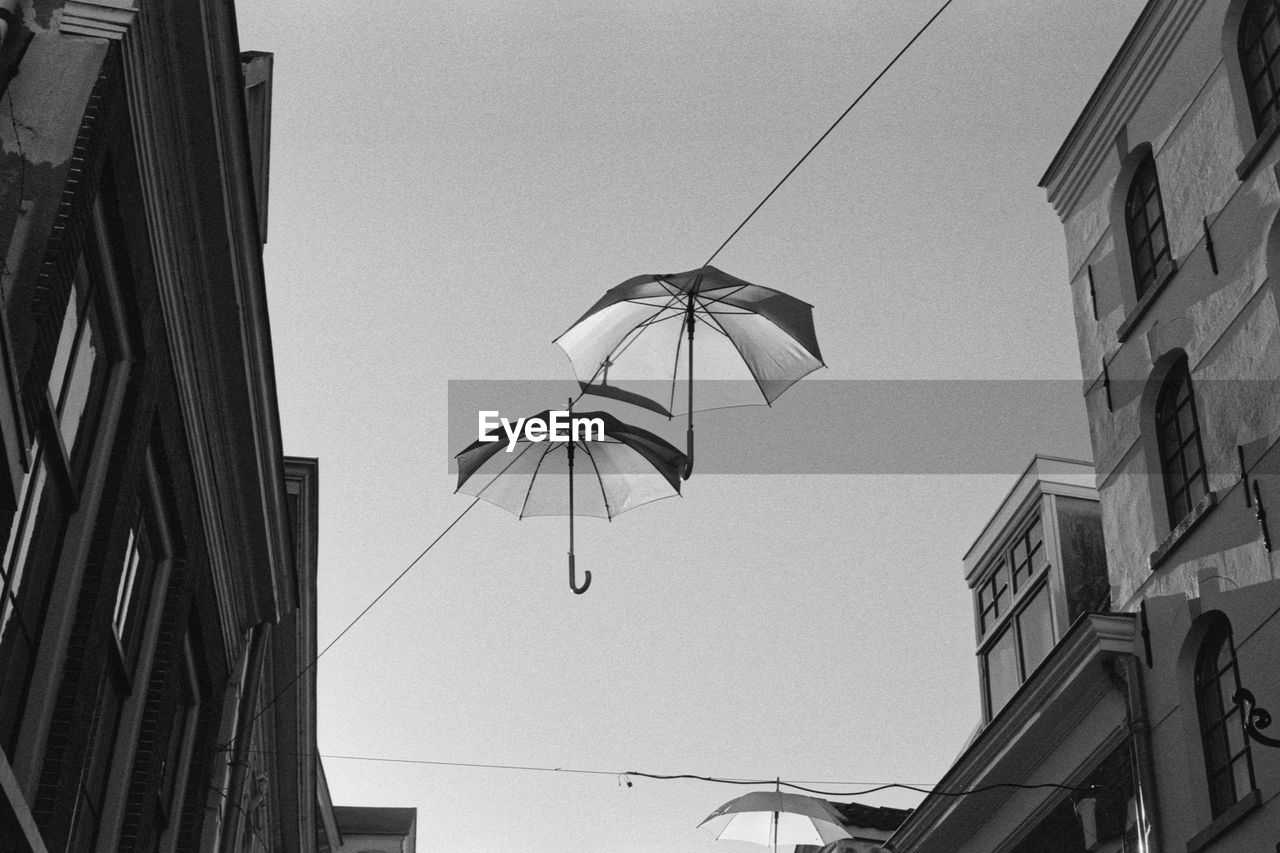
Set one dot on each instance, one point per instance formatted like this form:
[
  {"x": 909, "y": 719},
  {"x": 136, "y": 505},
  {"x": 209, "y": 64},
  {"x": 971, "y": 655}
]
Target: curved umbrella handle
[
  {"x": 688, "y": 454},
  {"x": 573, "y": 579}
]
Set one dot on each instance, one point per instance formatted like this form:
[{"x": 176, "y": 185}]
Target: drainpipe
[
  {"x": 1127, "y": 671},
  {"x": 254, "y": 658}
]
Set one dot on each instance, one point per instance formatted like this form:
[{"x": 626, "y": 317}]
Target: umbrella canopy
[
  {"x": 773, "y": 818},
  {"x": 602, "y": 473},
  {"x": 641, "y": 334}
]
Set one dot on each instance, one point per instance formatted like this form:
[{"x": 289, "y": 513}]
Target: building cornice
[
  {"x": 1062, "y": 691},
  {"x": 1044, "y": 475},
  {"x": 108, "y": 19},
  {"x": 1142, "y": 56},
  {"x": 192, "y": 157}
]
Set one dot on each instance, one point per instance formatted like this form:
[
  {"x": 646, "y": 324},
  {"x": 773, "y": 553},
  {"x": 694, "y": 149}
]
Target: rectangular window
[
  {"x": 176, "y": 764},
  {"x": 128, "y": 577},
  {"x": 1002, "y": 669},
  {"x": 1035, "y": 630},
  {"x": 1015, "y": 615},
  {"x": 78, "y": 362}
]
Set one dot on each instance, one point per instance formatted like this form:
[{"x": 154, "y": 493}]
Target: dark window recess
[
  {"x": 1178, "y": 437},
  {"x": 1260, "y": 60},
  {"x": 1228, "y": 762},
  {"x": 1144, "y": 224},
  {"x": 1084, "y": 557},
  {"x": 1100, "y": 819}
]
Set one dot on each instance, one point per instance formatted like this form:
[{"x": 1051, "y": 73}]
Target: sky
[{"x": 453, "y": 183}]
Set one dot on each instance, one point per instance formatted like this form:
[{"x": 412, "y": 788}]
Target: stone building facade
[
  {"x": 157, "y": 578},
  {"x": 1133, "y": 732}
]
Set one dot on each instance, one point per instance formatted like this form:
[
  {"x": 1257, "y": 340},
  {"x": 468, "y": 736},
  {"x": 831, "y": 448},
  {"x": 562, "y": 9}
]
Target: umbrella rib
[
  {"x": 608, "y": 510},
  {"x": 628, "y": 340},
  {"x": 495, "y": 477},
  {"x": 533, "y": 478},
  {"x": 720, "y": 297},
  {"x": 709, "y": 319}
]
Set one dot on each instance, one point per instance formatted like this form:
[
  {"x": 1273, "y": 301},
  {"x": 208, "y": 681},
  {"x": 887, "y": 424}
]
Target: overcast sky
[{"x": 453, "y": 183}]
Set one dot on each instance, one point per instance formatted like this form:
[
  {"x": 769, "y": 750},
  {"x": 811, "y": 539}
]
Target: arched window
[
  {"x": 1260, "y": 60},
  {"x": 1227, "y": 761},
  {"x": 1144, "y": 223},
  {"x": 1178, "y": 436}
]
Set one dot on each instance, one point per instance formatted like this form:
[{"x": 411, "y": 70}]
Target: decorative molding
[
  {"x": 108, "y": 19},
  {"x": 1135, "y": 68},
  {"x": 1062, "y": 692}
]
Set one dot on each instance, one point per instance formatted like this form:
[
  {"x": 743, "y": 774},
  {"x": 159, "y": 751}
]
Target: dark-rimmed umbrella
[
  {"x": 624, "y": 468},
  {"x": 645, "y": 327}
]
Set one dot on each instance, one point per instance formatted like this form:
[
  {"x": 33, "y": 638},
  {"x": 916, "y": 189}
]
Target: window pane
[
  {"x": 1226, "y": 752},
  {"x": 21, "y": 533},
  {"x": 80, "y": 379},
  {"x": 1002, "y": 590},
  {"x": 124, "y": 592},
  {"x": 1002, "y": 671},
  {"x": 1196, "y": 490},
  {"x": 1241, "y": 777},
  {"x": 1035, "y": 628},
  {"x": 62, "y": 355},
  {"x": 1154, "y": 216}
]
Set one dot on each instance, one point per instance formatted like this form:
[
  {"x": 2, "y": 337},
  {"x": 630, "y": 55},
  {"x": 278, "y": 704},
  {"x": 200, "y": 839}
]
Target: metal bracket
[
  {"x": 1255, "y": 718},
  {"x": 1208, "y": 246}
]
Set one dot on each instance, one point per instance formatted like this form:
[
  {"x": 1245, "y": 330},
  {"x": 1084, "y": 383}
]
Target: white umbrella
[{"x": 771, "y": 818}]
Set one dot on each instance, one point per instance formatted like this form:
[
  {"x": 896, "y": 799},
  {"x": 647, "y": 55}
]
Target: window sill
[
  {"x": 1259, "y": 147},
  {"x": 1179, "y": 533},
  {"x": 1126, "y": 327},
  {"x": 1224, "y": 822}
]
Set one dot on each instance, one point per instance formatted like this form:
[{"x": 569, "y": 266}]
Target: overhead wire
[
  {"x": 833, "y": 126},
  {"x": 799, "y": 785},
  {"x": 280, "y": 693}
]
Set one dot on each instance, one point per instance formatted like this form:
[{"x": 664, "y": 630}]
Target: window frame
[
  {"x": 35, "y": 536},
  {"x": 1263, "y": 116},
  {"x": 1169, "y": 406},
  {"x": 1150, "y": 268},
  {"x": 1214, "y": 732},
  {"x": 1018, "y": 599}
]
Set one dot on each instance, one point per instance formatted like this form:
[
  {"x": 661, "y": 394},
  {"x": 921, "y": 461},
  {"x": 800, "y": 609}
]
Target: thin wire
[
  {"x": 344, "y": 631},
  {"x": 878, "y": 786},
  {"x": 883, "y": 71},
  {"x": 543, "y": 769},
  {"x": 919, "y": 787}
]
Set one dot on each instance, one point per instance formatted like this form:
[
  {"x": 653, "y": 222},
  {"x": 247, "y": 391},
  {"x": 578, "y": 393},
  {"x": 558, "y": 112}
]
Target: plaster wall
[
  {"x": 1183, "y": 102},
  {"x": 40, "y": 117},
  {"x": 1169, "y": 682}
]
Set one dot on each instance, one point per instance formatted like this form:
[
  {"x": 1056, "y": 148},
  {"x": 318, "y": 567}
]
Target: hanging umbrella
[
  {"x": 771, "y": 818},
  {"x": 619, "y": 467},
  {"x": 644, "y": 329}
]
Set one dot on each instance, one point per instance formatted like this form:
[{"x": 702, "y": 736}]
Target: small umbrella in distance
[
  {"x": 644, "y": 329},
  {"x": 770, "y": 818},
  {"x": 618, "y": 467}
]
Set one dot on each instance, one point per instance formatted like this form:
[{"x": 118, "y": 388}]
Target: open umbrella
[
  {"x": 644, "y": 329},
  {"x": 618, "y": 467},
  {"x": 771, "y": 818}
]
